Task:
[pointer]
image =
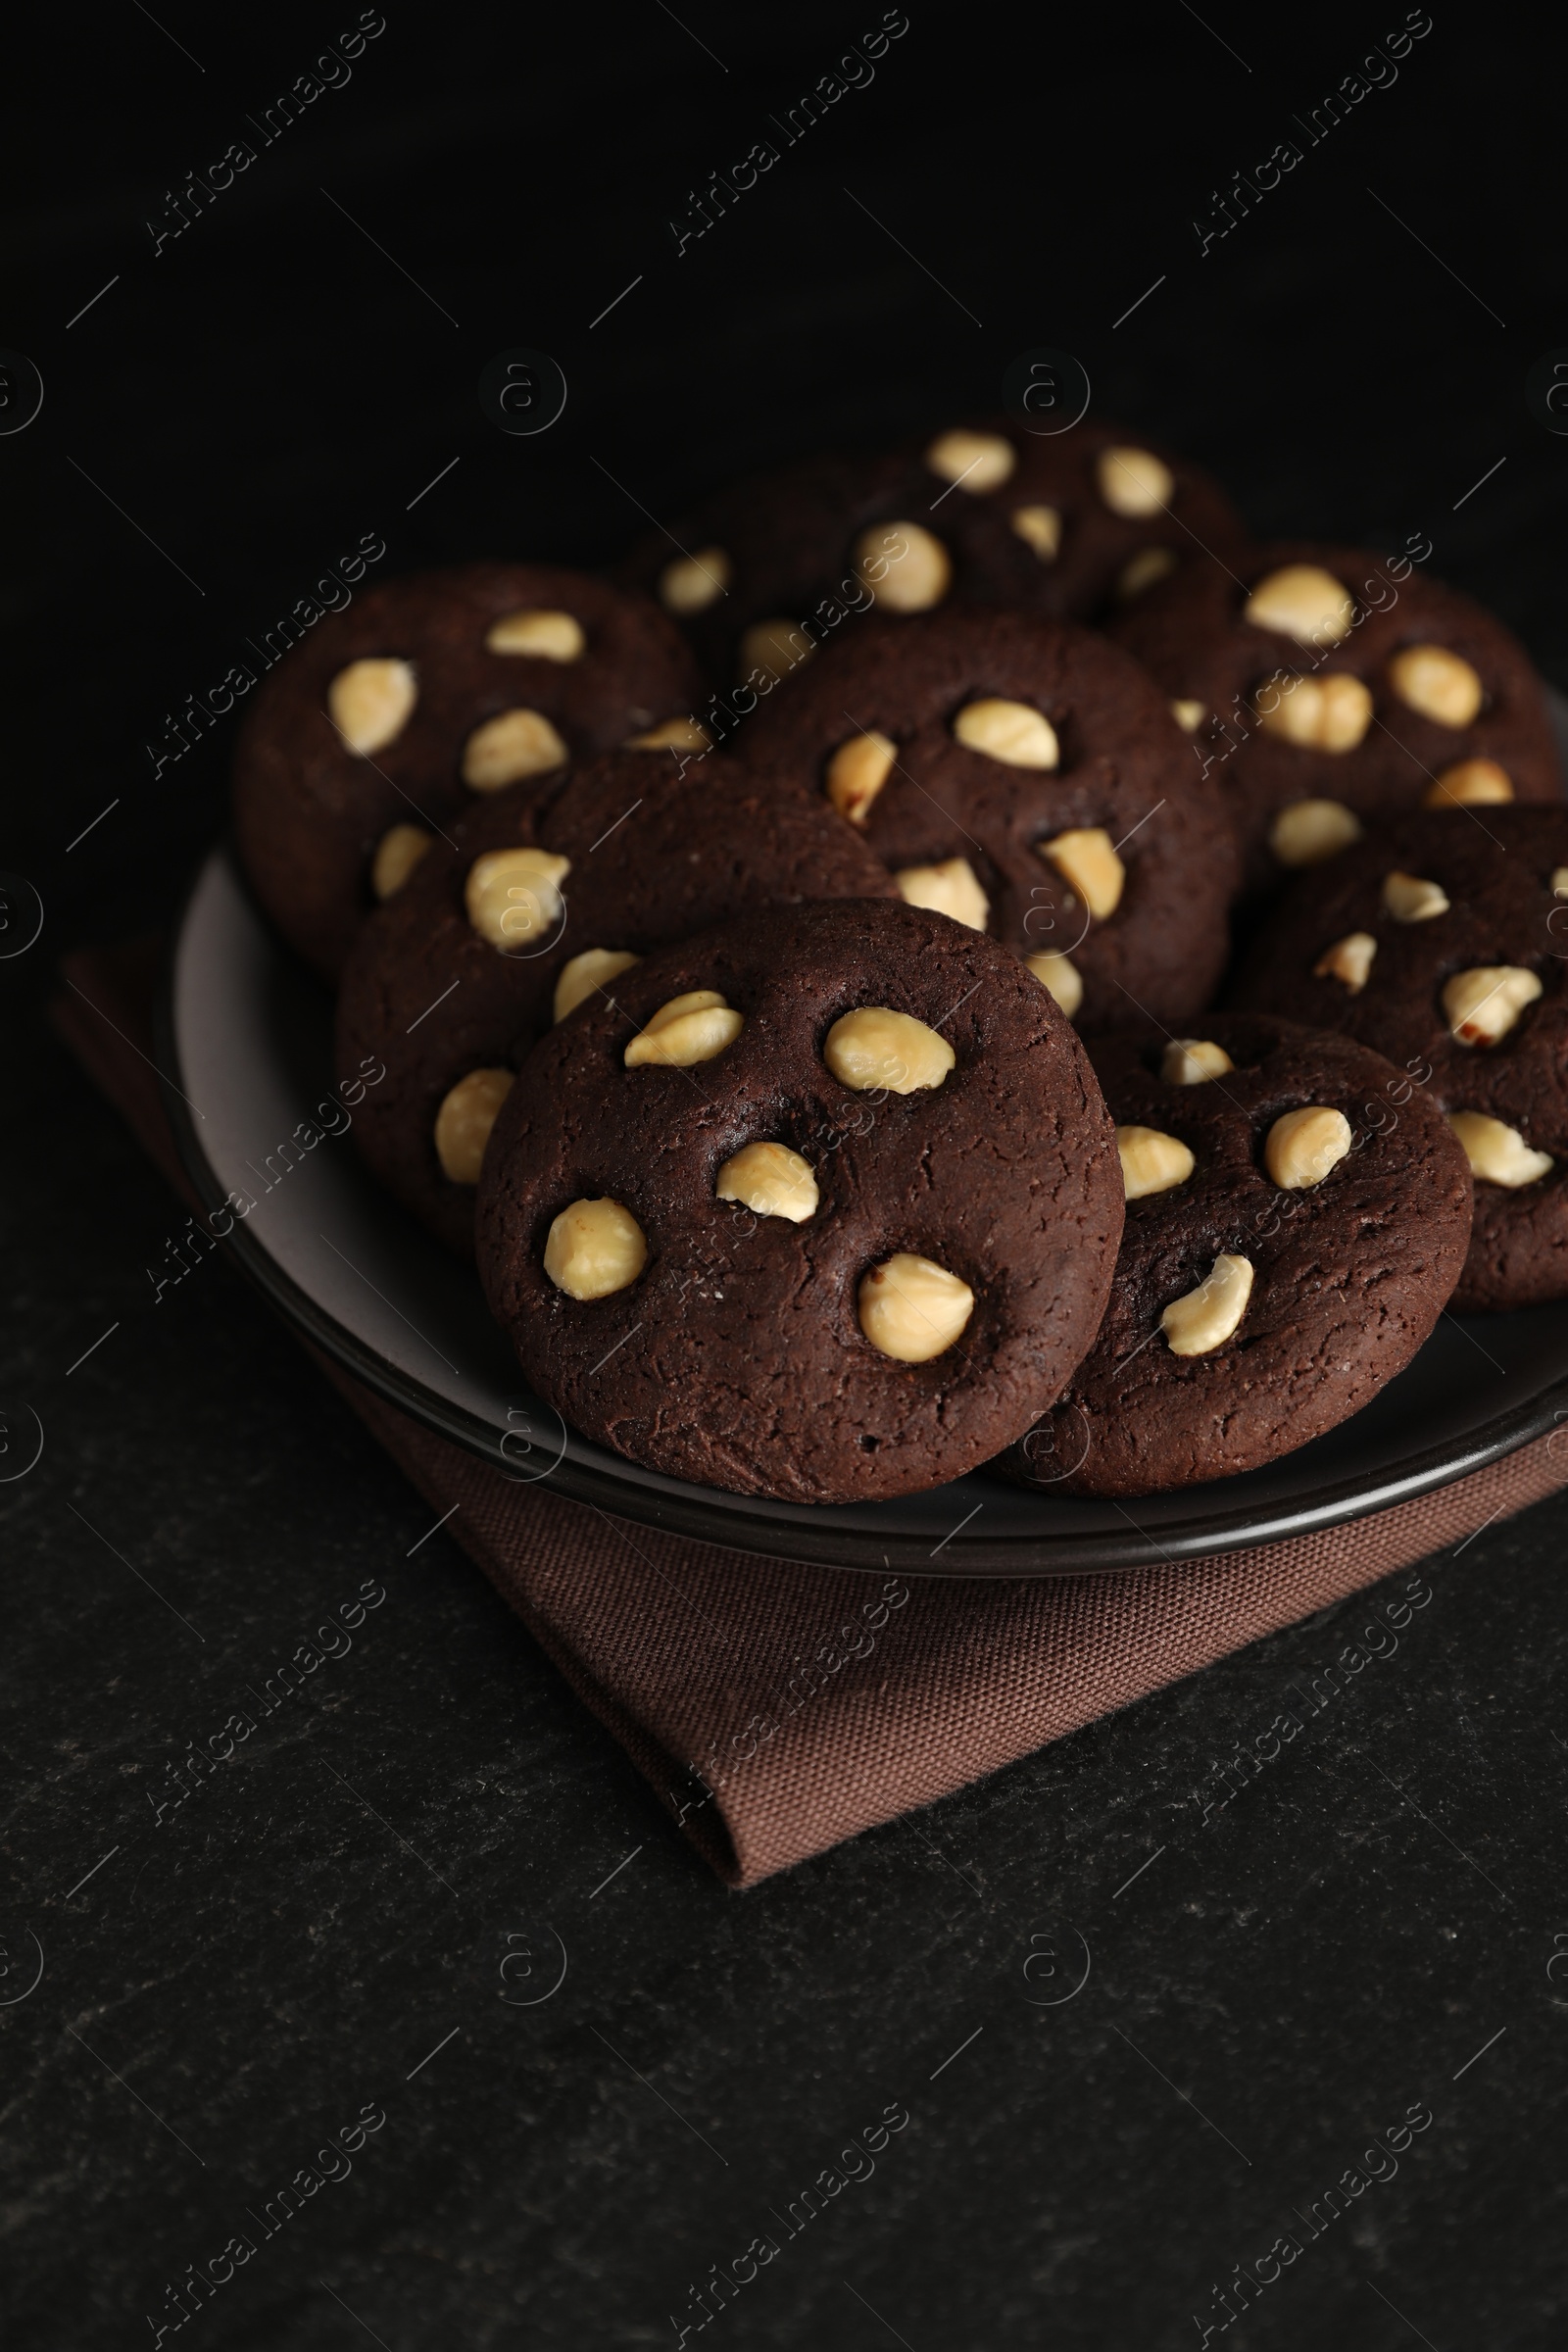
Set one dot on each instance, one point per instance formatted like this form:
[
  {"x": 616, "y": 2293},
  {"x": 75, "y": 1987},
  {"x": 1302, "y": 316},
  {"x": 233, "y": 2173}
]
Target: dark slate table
[{"x": 331, "y": 1963}]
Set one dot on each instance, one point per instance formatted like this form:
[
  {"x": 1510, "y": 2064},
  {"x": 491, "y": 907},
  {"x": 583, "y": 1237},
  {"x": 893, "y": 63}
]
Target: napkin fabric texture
[{"x": 777, "y": 1708}]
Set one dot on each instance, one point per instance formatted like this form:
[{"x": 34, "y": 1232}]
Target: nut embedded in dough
[
  {"x": 972, "y": 461},
  {"x": 546, "y": 636},
  {"x": 1306, "y": 832},
  {"x": 1438, "y": 684},
  {"x": 1140, "y": 572},
  {"x": 912, "y": 1310},
  {"x": 1349, "y": 960},
  {"x": 1317, "y": 714},
  {"x": 1060, "y": 976},
  {"x": 1470, "y": 784},
  {"x": 396, "y": 854},
  {"x": 1498, "y": 1153},
  {"x": 771, "y": 1181},
  {"x": 1015, "y": 733},
  {"x": 1209, "y": 1316},
  {"x": 1304, "y": 1145},
  {"x": 1134, "y": 481},
  {"x": 691, "y": 1028},
  {"x": 369, "y": 704},
  {"x": 906, "y": 567},
  {"x": 1086, "y": 857},
  {"x": 585, "y": 975},
  {"x": 463, "y": 1124},
  {"x": 1483, "y": 1004},
  {"x": 1305, "y": 602},
  {"x": 1152, "y": 1161},
  {"x": 693, "y": 583},
  {"x": 671, "y": 735},
  {"x": 594, "y": 1249},
  {"x": 1039, "y": 529},
  {"x": 512, "y": 897},
  {"x": 510, "y": 748},
  {"x": 874, "y": 1047},
  {"x": 1412, "y": 899},
  {"x": 857, "y": 771},
  {"x": 952, "y": 889},
  {"x": 1193, "y": 1061}
]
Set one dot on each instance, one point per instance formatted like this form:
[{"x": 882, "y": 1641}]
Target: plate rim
[{"x": 793, "y": 1540}]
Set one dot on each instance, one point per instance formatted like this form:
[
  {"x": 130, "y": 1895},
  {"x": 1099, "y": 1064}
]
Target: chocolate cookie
[
  {"x": 1324, "y": 687},
  {"x": 1442, "y": 943},
  {"x": 824, "y": 1206},
  {"x": 544, "y": 897},
  {"x": 765, "y": 570},
  {"x": 397, "y": 712},
  {"x": 1026, "y": 778},
  {"x": 1290, "y": 1243}
]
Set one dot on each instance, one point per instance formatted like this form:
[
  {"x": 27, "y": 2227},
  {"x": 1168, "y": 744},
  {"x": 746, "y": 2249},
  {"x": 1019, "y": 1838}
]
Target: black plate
[{"x": 248, "y": 1035}]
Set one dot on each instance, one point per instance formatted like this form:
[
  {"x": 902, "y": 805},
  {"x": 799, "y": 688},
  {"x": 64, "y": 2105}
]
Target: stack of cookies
[{"x": 795, "y": 962}]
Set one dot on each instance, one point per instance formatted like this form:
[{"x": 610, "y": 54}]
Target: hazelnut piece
[
  {"x": 396, "y": 854},
  {"x": 952, "y": 888},
  {"x": 771, "y": 1179},
  {"x": 1304, "y": 1145},
  {"x": 1410, "y": 899},
  {"x": 911, "y": 1308},
  {"x": 692, "y": 582},
  {"x": 1015, "y": 733},
  {"x": 857, "y": 771},
  {"x": 775, "y": 646},
  {"x": 369, "y": 704},
  {"x": 463, "y": 1124},
  {"x": 585, "y": 975},
  {"x": 1140, "y": 572},
  {"x": 1306, "y": 832},
  {"x": 1437, "y": 683},
  {"x": 1189, "y": 715},
  {"x": 979, "y": 461},
  {"x": 1039, "y": 528},
  {"x": 1316, "y": 714},
  {"x": 908, "y": 568},
  {"x": 509, "y": 748},
  {"x": 1061, "y": 976},
  {"x": 546, "y": 636},
  {"x": 1152, "y": 1161},
  {"x": 1086, "y": 857},
  {"x": 1305, "y": 602},
  {"x": 1349, "y": 960},
  {"x": 692, "y": 1028},
  {"x": 595, "y": 1248},
  {"x": 1134, "y": 481},
  {"x": 1193, "y": 1061},
  {"x": 512, "y": 897},
  {"x": 1206, "y": 1317},
  {"x": 1483, "y": 1004},
  {"x": 1470, "y": 784},
  {"x": 875, "y": 1047},
  {"x": 1498, "y": 1153},
  {"x": 671, "y": 735}
]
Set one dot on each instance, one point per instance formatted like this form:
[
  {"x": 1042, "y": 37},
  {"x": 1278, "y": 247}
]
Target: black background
[{"x": 232, "y": 1984}]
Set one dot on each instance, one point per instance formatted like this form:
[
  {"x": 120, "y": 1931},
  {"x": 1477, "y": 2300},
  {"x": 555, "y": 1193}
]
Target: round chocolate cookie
[
  {"x": 423, "y": 694},
  {"x": 1290, "y": 1240},
  {"x": 542, "y": 898},
  {"x": 824, "y": 1206},
  {"x": 1025, "y": 777},
  {"x": 1323, "y": 687},
  {"x": 1442, "y": 943},
  {"x": 763, "y": 572}
]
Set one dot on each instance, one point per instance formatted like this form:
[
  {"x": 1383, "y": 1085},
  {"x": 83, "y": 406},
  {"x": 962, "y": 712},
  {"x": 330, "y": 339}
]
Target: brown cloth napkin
[{"x": 777, "y": 1708}]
